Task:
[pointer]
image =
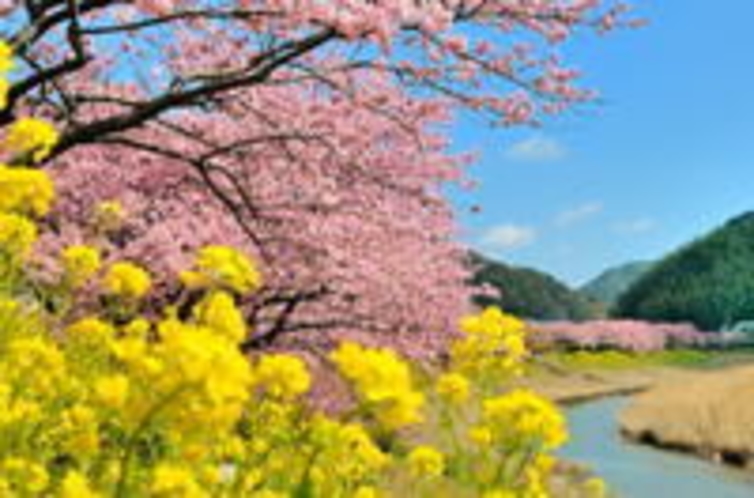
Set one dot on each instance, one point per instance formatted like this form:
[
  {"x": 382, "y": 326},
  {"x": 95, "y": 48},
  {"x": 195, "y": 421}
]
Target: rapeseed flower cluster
[
  {"x": 453, "y": 388},
  {"x": 6, "y": 64},
  {"x": 425, "y": 461},
  {"x": 218, "y": 311},
  {"x": 101, "y": 399},
  {"x": 382, "y": 383},
  {"x": 493, "y": 346},
  {"x": 127, "y": 281},
  {"x": 521, "y": 418},
  {"x": 282, "y": 376},
  {"x": 496, "y": 442},
  {"x": 25, "y": 191},
  {"x": 359, "y": 459},
  {"x": 31, "y": 138},
  {"x": 220, "y": 267},
  {"x": 80, "y": 264},
  {"x": 17, "y": 237}
]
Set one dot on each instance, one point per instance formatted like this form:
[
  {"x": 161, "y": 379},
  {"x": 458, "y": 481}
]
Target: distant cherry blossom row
[{"x": 632, "y": 335}]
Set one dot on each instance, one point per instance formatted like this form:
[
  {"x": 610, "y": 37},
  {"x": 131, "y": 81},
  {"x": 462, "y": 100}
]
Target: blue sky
[{"x": 667, "y": 156}]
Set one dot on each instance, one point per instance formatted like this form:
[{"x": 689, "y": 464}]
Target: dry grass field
[{"x": 710, "y": 414}]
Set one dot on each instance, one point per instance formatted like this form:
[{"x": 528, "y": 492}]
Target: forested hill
[
  {"x": 528, "y": 293},
  {"x": 710, "y": 282},
  {"x": 610, "y": 284}
]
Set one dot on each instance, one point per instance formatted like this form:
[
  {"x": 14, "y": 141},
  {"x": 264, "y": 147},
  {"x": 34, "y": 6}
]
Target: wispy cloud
[
  {"x": 578, "y": 214},
  {"x": 537, "y": 149},
  {"x": 636, "y": 226},
  {"x": 507, "y": 237}
]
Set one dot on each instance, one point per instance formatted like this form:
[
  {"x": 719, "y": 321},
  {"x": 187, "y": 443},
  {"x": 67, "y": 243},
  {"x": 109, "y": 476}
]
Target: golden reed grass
[{"x": 710, "y": 414}]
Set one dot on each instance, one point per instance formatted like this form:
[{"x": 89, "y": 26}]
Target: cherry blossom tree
[
  {"x": 346, "y": 218},
  {"x": 627, "y": 335},
  {"x": 104, "y": 67},
  {"x": 308, "y": 131}
]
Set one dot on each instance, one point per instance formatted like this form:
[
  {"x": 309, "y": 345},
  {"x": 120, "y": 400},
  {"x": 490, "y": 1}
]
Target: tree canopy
[
  {"x": 710, "y": 282},
  {"x": 528, "y": 293},
  {"x": 308, "y": 132}
]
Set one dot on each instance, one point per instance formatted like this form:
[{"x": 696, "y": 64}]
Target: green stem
[{"x": 125, "y": 461}]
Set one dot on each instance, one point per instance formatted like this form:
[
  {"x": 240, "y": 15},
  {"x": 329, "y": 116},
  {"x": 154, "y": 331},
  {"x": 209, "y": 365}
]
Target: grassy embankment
[
  {"x": 582, "y": 376},
  {"x": 710, "y": 414},
  {"x": 692, "y": 401}
]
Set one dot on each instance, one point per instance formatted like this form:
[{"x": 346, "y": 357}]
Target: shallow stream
[{"x": 634, "y": 471}]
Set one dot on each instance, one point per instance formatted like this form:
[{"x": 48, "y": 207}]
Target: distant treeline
[
  {"x": 710, "y": 282},
  {"x": 612, "y": 283},
  {"x": 529, "y": 293}
]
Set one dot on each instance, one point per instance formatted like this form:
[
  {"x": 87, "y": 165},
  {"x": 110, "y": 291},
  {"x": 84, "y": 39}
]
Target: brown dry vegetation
[
  {"x": 568, "y": 388},
  {"x": 710, "y": 414},
  {"x": 566, "y": 384}
]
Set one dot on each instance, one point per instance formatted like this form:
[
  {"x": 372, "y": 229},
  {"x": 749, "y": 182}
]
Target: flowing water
[{"x": 634, "y": 471}]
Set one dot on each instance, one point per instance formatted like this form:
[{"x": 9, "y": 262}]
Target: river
[{"x": 634, "y": 471}]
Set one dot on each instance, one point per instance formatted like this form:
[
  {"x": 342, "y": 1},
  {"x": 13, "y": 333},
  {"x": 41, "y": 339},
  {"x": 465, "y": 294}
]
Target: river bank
[
  {"x": 697, "y": 404},
  {"x": 709, "y": 415},
  {"x": 571, "y": 379},
  {"x": 639, "y": 471}
]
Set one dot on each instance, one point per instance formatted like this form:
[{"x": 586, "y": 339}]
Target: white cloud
[
  {"x": 537, "y": 149},
  {"x": 635, "y": 227},
  {"x": 507, "y": 237},
  {"x": 578, "y": 214}
]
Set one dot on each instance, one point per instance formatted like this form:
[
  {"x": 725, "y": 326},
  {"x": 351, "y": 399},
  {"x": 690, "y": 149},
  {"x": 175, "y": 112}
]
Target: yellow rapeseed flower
[
  {"x": 425, "y": 461},
  {"x": 80, "y": 425},
  {"x": 31, "y": 136},
  {"x": 80, "y": 263},
  {"x": 358, "y": 457},
  {"x": 282, "y": 376},
  {"x": 382, "y": 382},
  {"x": 225, "y": 268},
  {"x": 453, "y": 388},
  {"x": 362, "y": 447},
  {"x": 501, "y": 493},
  {"x": 6, "y": 64},
  {"x": 491, "y": 321},
  {"x": 4, "y": 89},
  {"x": 76, "y": 485},
  {"x": 17, "y": 235},
  {"x": 366, "y": 492},
  {"x": 6, "y": 57},
  {"x": 219, "y": 312},
  {"x": 36, "y": 363},
  {"x": 522, "y": 417},
  {"x": 210, "y": 372},
  {"x": 172, "y": 481},
  {"x": 112, "y": 391},
  {"x": 127, "y": 280},
  {"x": 13, "y": 409},
  {"x": 138, "y": 328},
  {"x": 91, "y": 331},
  {"x": 493, "y": 345},
  {"x": 481, "y": 436},
  {"x": 25, "y": 191},
  {"x": 30, "y": 478}
]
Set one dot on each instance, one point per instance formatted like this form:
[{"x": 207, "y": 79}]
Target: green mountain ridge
[
  {"x": 528, "y": 293},
  {"x": 709, "y": 282},
  {"x": 609, "y": 285}
]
